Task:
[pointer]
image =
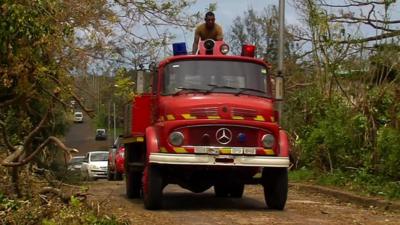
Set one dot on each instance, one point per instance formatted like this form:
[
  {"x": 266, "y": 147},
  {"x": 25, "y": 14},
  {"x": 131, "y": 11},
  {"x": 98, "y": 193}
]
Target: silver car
[
  {"x": 75, "y": 164},
  {"x": 94, "y": 165}
]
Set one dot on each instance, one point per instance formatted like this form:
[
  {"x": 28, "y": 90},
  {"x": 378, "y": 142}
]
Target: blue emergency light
[{"x": 179, "y": 48}]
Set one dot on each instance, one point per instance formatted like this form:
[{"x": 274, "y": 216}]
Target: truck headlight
[
  {"x": 176, "y": 138},
  {"x": 268, "y": 140}
]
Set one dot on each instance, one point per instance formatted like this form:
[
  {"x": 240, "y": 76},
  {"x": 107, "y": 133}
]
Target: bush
[
  {"x": 361, "y": 181},
  {"x": 389, "y": 152},
  {"x": 327, "y": 140}
]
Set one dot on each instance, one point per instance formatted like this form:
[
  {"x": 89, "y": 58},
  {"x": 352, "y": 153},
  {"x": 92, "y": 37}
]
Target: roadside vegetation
[
  {"x": 52, "y": 53},
  {"x": 342, "y": 95}
]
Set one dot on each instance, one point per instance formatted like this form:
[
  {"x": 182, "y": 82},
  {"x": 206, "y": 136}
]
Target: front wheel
[
  {"x": 152, "y": 188},
  {"x": 275, "y": 182}
]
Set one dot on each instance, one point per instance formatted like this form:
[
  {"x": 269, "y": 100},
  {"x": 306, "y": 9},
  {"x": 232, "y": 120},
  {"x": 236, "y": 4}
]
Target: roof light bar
[
  {"x": 179, "y": 48},
  {"x": 248, "y": 50}
]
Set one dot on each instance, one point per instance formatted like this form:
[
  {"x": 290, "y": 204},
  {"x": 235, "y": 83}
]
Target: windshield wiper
[
  {"x": 214, "y": 86},
  {"x": 241, "y": 90},
  {"x": 182, "y": 89}
]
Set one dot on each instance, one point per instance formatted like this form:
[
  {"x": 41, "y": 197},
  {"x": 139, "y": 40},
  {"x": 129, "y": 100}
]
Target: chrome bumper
[{"x": 212, "y": 160}]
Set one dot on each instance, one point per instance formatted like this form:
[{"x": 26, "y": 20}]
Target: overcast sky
[{"x": 228, "y": 10}]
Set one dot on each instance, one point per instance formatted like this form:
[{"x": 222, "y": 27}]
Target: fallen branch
[
  {"x": 8, "y": 162},
  {"x": 59, "y": 193}
]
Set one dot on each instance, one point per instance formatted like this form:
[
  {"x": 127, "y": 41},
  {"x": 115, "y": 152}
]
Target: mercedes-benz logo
[{"x": 223, "y": 136}]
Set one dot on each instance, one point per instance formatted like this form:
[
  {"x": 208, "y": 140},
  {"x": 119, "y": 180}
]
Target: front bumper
[
  {"x": 98, "y": 173},
  {"x": 219, "y": 160}
]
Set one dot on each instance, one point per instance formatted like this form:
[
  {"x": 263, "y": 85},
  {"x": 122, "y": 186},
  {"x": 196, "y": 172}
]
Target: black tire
[
  {"x": 118, "y": 176},
  {"x": 236, "y": 190},
  {"x": 275, "y": 182},
  {"x": 153, "y": 196},
  {"x": 133, "y": 184},
  {"x": 221, "y": 190},
  {"x": 110, "y": 175}
]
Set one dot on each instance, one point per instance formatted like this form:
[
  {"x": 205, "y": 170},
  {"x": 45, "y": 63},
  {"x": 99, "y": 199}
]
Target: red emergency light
[{"x": 248, "y": 50}]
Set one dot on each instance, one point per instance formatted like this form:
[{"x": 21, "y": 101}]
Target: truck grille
[{"x": 207, "y": 136}]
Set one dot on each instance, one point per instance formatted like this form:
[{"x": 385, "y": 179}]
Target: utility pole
[
  {"x": 279, "y": 77},
  {"x": 115, "y": 126},
  {"x": 109, "y": 117}
]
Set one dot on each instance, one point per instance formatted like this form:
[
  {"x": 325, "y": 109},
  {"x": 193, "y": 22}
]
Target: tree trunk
[{"x": 15, "y": 181}]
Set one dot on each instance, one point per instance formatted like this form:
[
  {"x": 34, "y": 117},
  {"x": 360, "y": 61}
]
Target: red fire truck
[{"x": 208, "y": 121}]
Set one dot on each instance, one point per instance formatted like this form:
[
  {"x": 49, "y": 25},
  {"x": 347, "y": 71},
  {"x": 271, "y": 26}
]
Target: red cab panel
[{"x": 141, "y": 117}]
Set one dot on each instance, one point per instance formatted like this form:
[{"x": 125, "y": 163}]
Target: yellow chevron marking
[
  {"x": 259, "y": 118},
  {"x": 238, "y": 117},
  {"x": 269, "y": 152},
  {"x": 162, "y": 149},
  {"x": 180, "y": 150},
  {"x": 213, "y": 117},
  {"x": 225, "y": 151},
  {"x": 170, "y": 117},
  {"x": 140, "y": 139},
  {"x": 188, "y": 117}
]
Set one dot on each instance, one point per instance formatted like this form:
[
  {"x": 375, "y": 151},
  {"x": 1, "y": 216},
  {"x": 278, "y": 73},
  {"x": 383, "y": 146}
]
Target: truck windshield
[{"x": 210, "y": 76}]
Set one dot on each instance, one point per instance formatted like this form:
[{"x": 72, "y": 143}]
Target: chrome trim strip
[
  {"x": 225, "y": 125},
  {"x": 210, "y": 160}
]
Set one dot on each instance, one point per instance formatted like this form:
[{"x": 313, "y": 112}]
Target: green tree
[
  {"x": 46, "y": 45},
  {"x": 353, "y": 100}
]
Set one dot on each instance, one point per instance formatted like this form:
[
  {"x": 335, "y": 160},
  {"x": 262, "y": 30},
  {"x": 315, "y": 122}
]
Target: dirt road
[
  {"x": 183, "y": 207},
  {"x": 81, "y": 136}
]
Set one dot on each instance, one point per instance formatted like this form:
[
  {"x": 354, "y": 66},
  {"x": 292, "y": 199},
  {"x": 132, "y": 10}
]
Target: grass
[{"x": 359, "y": 181}]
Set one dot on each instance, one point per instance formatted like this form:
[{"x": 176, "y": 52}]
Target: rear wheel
[
  {"x": 110, "y": 175},
  {"x": 236, "y": 190},
  {"x": 221, "y": 190},
  {"x": 275, "y": 182},
  {"x": 152, "y": 188},
  {"x": 133, "y": 184},
  {"x": 118, "y": 176}
]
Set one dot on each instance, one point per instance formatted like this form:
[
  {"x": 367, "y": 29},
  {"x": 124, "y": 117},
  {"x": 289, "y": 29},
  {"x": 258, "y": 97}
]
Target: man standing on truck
[{"x": 207, "y": 30}]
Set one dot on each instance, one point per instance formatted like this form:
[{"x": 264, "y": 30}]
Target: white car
[
  {"x": 94, "y": 165},
  {"x": 75, "y": 164},
  {"x": 78, "y": 117}
]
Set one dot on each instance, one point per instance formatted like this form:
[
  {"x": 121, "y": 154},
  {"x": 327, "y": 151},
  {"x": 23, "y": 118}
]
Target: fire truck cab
[{"x": 208, "y": 121}]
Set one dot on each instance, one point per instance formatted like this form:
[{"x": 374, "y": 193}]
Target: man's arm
[
  {"x": 220, "y": 34},
  {"x": 195, "y": 43}
]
